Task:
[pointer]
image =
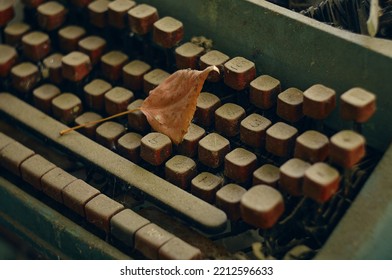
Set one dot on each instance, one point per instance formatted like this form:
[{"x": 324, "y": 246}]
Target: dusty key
[
  {"x": 319, "y": 102},
  {"x": 168, "y": 32},
  {"x": 94, "y": 94},
  {"x": 239, "y": 165},
  {"x": 280, "y": 139},
  {"x": 98, "y": 13},
  {"x": 213, "y": 149},
  {"x": 94, "y": 47},
  {"x": 187, "y": 56},
  {"x": 205, "y": 185},
  {"x": 24, "y": 77},
  {"x": 180, "y": 170},
  {"x": 142, "y": 18},
  {"x": 289, "y": 106},
  {"x": 321, "y": 182},
  {"x": 206, "y": 105},
  {"x": 69, "y": 37},
  {"x": 100, "y": 210},
  {"x": 228, "y": 118},
  {"x": 153, "y": 79},
  {"x": 228, "y": 199},
  {"x": 292, "y": 174},
  {"x": 117, "y": 100},
  {"x": 7, "y": 12},
  {"x": 53, "y": 65},
  {"x": 14, "y": 32},
  {"x": 51, "y": 15},
  {"x": 36, "y": 45},
  {"x": 112, "y": 64},
  {"x": 264, "y": 91},
  {"x": 43, "y": 96},
  {"x": 312, "y": 146},
  {"x": 88, "y": 130},
  {"x": 216, "y": 58},
  {"x": 8, "y": 58},
  {"x": 267, "y": 174},
  {"x": 5, "y": 141},
  {"x": 12, "y": 156},
  {"x": 66, "y": 107},
  {"x": 357, "y": 105},
  {"x": 150, "y": 238},
  {"x": 156, "y": 148},
  {"x": 347, "y": 148},
  {"x": 128, "y": 146},
  {"x": 137, "y": 120},
  {"x": 54, "y": 181},
  {"x": 108, "y": 133},
  {"x": 239, "y": 72},
  {"x": 118, "y": 13},
  {"x": 262, "y": 206},
  {"x": 177, "y": 249},
  {"x": 190, "y": 142},
  {"x": 253, "y": 130},
  {"x": 33, "y": 168},
  {"x": 133, "y": 73},
  {"x": 76, "y": 66}
]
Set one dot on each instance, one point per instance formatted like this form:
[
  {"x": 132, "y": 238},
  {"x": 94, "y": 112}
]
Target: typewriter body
[{"x": 299, "y": 52}]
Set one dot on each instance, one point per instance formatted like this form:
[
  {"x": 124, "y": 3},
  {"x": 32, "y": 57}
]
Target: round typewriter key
[
  {"x": 190, "y": 142},
  {"x": 289, "y": 106},
  {"x": 77, "y": 194},
  {"x": 7, "y": 12},
  {"x": 312, "y": 146},
  {"x": 168, "y": 32},
  {"x": 153, "y": 78},
  {"x": 69, "y": 37},
  {"x": 12, "y": 156},
  {"x": 187, "y": 56},
  {"x": 118, "y": 13},
  {"x": 292, "y": 175},
  {"x": 112, "y": 64},
  {"x": 86, "y": 117},
  {"x": 51, "y": 15},
  {"x": 129, "y": 146},
  {"x": 357, "y": 105},
  {"x": 228, "y": 199},
  {"x": 125, "y": 224},
  {"x": 66, "y": 107},
  {"x": 76, "y": 66},
  {"x": 213, "y": 149},
  {"x": 14, "y": 32},
  {"x": 98, "y": 13},
  {"x": 264, "y": 91},
  {"x": 33, "y": 168},
  {"x": 142, "y": 18},
  {"x": 214, "y": 58},
  {"x": 117, "y": 100},
  {"x": 280, "y": 139},
  {"x": 24, "y": 76},
  {"x": 150, "y": 238},
  {"x": 180, "y": 170},
  {"x": 267, "y": 174},
  {"x": 253, "y": 130},
  {"x": 177, "y": 249},
  {"x": 239, "y": 72},
  {"x": 108, "y": 133},
  {"x": 94, "y": 47},
  {"x": 347, "y": 148},
  {"x": 239, "y": 165},
  {"x": 319, "y": 102},
  {"x": 8, "y": 58},
  {"x": 321, "y": 182},
  {"x": 155, "y": 148},
  {"x": 100, "y": 210},
  {"x": 137, "y": 120},
  {"x": 228, "y": 118},
  {"x": 43, "y": 96},
  {"x": 54, "y": 181},
  {"x": 53, "y": 65},
  {"x": 262, "y": 206},
  {"x": 205, "y": 185},
  {"x": 36, "y": 45},
  {"x": 94, "y": 93},
  {"x": 206, "y": 106},
  {"x": 133, "y": 74}
]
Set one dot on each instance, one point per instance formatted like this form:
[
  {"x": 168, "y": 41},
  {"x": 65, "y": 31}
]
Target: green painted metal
[
  {"x": 49, "y": 232},
  {"x": 297, "y": 50}
]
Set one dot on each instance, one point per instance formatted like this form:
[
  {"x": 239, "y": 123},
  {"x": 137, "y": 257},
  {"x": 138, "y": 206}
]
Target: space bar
[{"x": 194, "y": 210}]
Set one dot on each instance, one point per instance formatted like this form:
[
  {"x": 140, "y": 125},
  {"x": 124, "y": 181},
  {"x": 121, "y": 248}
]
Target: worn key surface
[{"x": 185, "y": 204}]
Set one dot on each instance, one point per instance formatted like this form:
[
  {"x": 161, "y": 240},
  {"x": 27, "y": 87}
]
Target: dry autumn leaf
[{"x": 170, "y": 107}]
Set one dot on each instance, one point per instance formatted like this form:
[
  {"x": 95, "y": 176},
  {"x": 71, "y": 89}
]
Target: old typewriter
[{"x": 286, "y": 156}]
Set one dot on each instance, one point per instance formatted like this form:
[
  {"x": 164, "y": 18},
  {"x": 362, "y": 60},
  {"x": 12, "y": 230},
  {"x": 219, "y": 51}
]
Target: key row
[{"x": 98, "y": 209}]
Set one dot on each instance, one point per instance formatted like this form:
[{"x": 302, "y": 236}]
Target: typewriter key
[
  {"x": 108, "y": 133},
  {"x": 292, "y": 175},
  {"x": 33, "y": 168},
  {"x": 264, "y": 91}
]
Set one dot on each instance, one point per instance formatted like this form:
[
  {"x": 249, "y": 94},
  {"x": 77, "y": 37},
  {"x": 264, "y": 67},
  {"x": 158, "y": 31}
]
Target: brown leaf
[{"x": 170, "y": 107}]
